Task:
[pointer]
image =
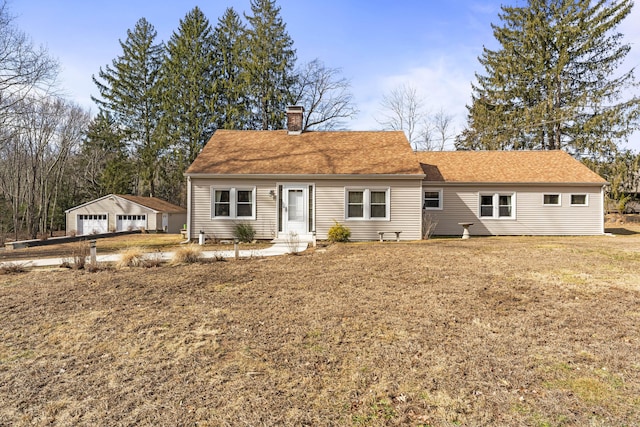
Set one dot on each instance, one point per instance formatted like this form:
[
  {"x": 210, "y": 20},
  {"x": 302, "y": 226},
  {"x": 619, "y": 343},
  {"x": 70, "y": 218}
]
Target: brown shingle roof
[
  {"x": 505, "y": 167},
  {"x": 323, "y": 153},
  {"x": 154, "y": 203}
]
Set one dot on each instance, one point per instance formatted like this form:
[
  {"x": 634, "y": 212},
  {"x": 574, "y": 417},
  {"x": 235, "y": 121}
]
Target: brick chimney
[{"x": 295, "y": 115}]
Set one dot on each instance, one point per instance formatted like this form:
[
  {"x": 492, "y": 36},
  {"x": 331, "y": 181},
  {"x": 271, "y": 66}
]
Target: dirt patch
[{"x": 492, "y": 331}]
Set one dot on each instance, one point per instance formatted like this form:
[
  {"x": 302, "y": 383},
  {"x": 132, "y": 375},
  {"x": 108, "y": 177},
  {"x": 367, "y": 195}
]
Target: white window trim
[
  {"x": 440, "y": 200},
  {"x": 366, "y": 214},
  {"x": 496, "y": 206},
  {"x": 586, "y": 199},
  {"x": 552, "y": 204},
  {"x": 233, "y": 203}
]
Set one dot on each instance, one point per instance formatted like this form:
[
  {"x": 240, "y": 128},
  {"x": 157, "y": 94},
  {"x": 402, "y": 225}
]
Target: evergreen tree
[
  {"x": 129, "y": 90},
  {"x": 187, "y": 94},
  {"x": 270, "y": 65},
  {"x": 554, "y": 83},
  {"x": 104, "y": 163},
  {"x": 231, "y": 101}
]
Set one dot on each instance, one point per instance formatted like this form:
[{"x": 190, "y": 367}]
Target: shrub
[
  {"x": 244, "y": 232},
  {"x": 187, "y": 254},
  {"x": 293, "y": 241},
  {"x": 339, "y": 233},
  {"x": 131, "y": 257},
  {"x": 77, "y": 258},
  {"x": 429, "y": 224},
  {"x": 12, "y": 268}
]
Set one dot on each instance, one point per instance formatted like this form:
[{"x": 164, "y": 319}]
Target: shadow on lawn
[{"x": 621, "y": 231}]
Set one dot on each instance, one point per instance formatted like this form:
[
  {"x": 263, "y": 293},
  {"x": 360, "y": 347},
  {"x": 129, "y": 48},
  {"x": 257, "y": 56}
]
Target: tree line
[
  {"x": 158, "y": 104},
  {"x": 555, "y": 81}
]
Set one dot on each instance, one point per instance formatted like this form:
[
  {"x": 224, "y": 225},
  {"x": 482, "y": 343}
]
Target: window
[
  {"x": 505, "y": 206},
  {"x": 355, "y": 204},
  {"x": 378, "y": 204},
  {"x": 233, "y": 203},
  {"x": 486, "y": 206},
  {"x": 497, "y": 206},
  {"x": 551, "y": 199},
  {"x": 222, "y": 203},
  {"x": 579, "y": 200},
  {"x": 432, "y": 199},
  {"x": 244, "y": 203},
  {"x": 367, "y": 204}
]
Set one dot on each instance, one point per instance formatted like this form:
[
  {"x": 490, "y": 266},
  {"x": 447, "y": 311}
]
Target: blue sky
[{"x": 378, "y": 44}]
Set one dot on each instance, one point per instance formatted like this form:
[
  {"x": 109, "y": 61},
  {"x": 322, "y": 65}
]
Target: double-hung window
[
  {"x": 367, "y": 203},
  {"x": 498, "y": 205},
  {"x": 237, "y": 203},
  {"x": 432, "y": 199}
]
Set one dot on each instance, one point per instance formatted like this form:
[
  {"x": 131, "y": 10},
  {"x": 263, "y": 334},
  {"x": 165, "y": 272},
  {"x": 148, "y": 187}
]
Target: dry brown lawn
[{"x": 518, "y": 331}]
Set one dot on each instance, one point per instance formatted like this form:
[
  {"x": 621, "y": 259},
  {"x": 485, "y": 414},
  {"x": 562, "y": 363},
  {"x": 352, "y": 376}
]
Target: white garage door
[
  {"x": 92, "y": 224},
  {"x": 131, "y": 222}
]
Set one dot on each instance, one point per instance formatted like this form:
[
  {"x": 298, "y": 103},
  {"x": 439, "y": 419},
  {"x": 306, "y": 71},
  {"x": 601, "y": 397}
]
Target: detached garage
[{"x": 117, "y": 212}]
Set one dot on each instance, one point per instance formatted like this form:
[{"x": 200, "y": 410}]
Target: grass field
[{"x": 502, "y": 331}]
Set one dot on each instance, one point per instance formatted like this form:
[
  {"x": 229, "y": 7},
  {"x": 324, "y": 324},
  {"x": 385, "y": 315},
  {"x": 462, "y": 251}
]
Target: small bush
[
  {"x": 188, "y": 254},
  {"x": 12, "y": 268},
  {"x": 429, "y": 224},
  {"x": 293, "y": 241},
  {"x": 339, "y": 233},
  {"x": 77, "y": 258},
  {"x": 244, "y": 232},
  {"x": 131, "y": 257}
]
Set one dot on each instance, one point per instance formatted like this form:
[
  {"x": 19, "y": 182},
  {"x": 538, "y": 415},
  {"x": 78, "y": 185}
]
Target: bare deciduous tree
[
  {"x": 41, "y": 137},
  {"x": 442, "y": 128},
  {"x": 325, "y": 95},
  {"x": 403, "y": 109},
  {"x": 23, "y": 67}
]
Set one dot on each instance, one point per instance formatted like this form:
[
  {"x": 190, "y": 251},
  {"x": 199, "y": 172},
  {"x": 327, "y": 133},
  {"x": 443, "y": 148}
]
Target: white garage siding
[
  {"x": 91, "y": 224},
  {"x": 532, "y": 217}
]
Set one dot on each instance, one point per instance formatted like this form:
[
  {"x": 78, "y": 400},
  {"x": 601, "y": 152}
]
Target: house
[
  {"x": 118, "y": 212},
  {"x": 289, "y": 181},
  {"x": 511, "y": 193}
]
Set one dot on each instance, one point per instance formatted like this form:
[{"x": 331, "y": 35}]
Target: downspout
[
  {"x": 602, "y": 201},
  {"x": 188, "y": 210}
]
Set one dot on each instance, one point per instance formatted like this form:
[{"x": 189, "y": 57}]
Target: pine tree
[
  {"x": 104, "y": 164},
  {"x": 187, "y": 82},
  {"x": 231, "y": 88},
  {"x": 554, "y": 83},
  {"x": 129, "y": 90},
  {"x": 270, "y": 66}
]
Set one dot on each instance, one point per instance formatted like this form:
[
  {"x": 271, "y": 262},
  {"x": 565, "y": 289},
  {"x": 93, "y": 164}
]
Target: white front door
[
  {"x": 295, "y": 210},
  {"x": 295, "y": 218}
]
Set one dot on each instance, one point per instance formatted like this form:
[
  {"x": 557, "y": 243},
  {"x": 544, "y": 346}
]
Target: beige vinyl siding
[
  {"x": 404, "y": 206},
  {"x": 461, "y": 204},
  {"x": 176, "y": 222},
  {"x": 265, "y": 222},
  {"x": 329, "y": 205}
]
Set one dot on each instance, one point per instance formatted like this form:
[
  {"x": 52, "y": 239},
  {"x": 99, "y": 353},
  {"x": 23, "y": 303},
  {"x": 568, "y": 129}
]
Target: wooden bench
[{"x": 381, "y": 234}]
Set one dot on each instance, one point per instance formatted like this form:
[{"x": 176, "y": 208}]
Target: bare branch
[{"x": 325, "y": 96}]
